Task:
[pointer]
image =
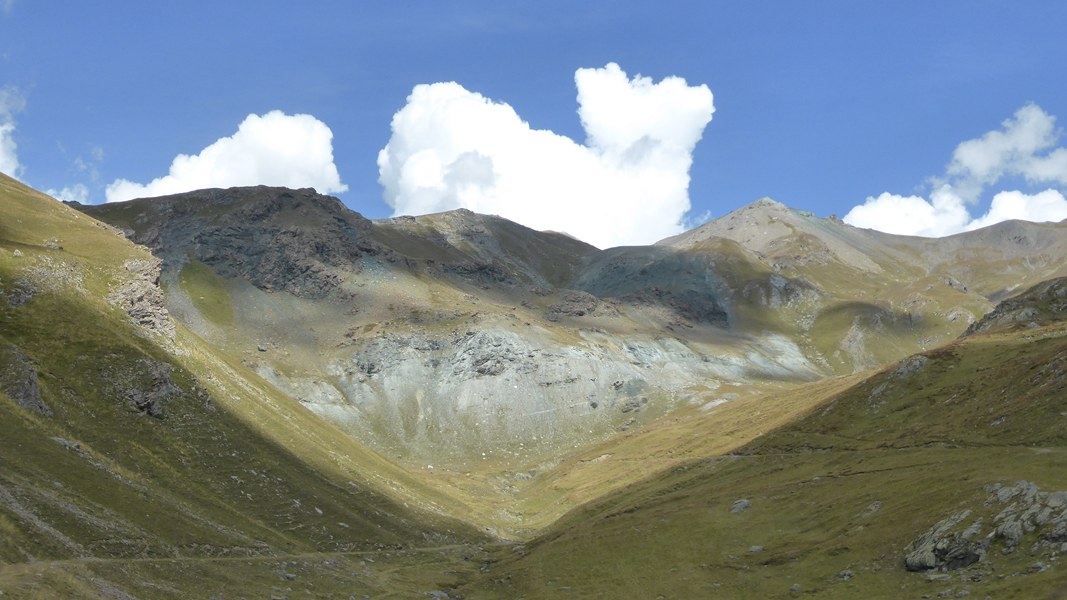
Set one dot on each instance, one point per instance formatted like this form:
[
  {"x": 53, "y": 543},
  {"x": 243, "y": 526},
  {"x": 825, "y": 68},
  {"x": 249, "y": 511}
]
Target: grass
[
  {"x": 387, "y": 573},
  {"x": 845, "y": 487},
  {"x": 231, "y": 468},
  {"x": 208, "y": 292},
  {"x": 813, "y": 517}
]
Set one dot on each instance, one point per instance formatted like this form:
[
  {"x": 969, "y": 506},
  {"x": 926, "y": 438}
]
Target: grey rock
[
  {"x": 954, "y": 283},
  {"x": 755, "y": 549},
  {"x": 576, "y": 304},
  {"x": 910, "y": 365},
  {"x": 145, "y": 385},
  {"x": 21, "y": 293},
  {"x": 943, "y": 546},
  {"x": 141, "y": 298},
  {"x": 740, "y": 506},
  {"x": 872, "y": 508},
  {"x": 845, "y": 575},
  {"x": 18, "y": 379},
  {"x": 1029, "y": 512},
  {"x": 1043, "y": 303}
]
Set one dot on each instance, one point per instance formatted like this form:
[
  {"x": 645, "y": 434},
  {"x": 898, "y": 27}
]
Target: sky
[{"x": 618, "y": 122}]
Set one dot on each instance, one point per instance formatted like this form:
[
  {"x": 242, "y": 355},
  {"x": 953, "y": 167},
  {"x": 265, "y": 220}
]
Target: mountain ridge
[
  {"x": 766, "y": 421},
  {"x": 403, "y": 329}
]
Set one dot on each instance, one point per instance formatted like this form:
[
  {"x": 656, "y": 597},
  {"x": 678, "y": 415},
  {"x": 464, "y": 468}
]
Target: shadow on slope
[{"x": 152, "y": 460}]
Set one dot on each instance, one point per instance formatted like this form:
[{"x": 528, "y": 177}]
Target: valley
[{"x": 257, "y": 392}]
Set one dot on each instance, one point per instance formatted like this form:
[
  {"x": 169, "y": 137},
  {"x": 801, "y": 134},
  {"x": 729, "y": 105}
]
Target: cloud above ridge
[
  {"x": 627, "y": 184},
  {"x": 271, "y": 149},
  {"x": 1024, "y": 147},
  {"x": 11, "y": 102}
]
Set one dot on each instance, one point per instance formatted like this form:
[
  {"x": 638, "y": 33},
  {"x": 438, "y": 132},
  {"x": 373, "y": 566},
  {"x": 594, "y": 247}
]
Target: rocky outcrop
[
  {"x": 145, "y": 386},
  {"x": 309, "y": 257},
  {"x": 1028, "y": 517},
  {"x": 1040, "y": 305},
  {"x": 945, "y": 546},
  {"x": 579, "y": 304},
  {"x": 278, "y": 239},
  {"x": 18, "y": 379},
  {"x": 141, "y": 298}
]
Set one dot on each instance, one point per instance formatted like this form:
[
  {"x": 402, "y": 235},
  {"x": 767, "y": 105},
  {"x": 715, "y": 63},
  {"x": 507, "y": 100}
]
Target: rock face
[
  {"x": 278, "y": 239},
  {"x": 18, "y": 380},
  {"x": 145, "y": 386},
  {"x": 269, "y": 244},
  {"x": 488, "y": 388},
  {"x": 1022, "y": 513},
  {"x": 946, "y": 547},
  {"x": 142, "y": 299},
  {"x": 1042, "y": 304}
]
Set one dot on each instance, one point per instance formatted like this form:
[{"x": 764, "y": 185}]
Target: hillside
[
  {"x": 274, "y": 396},
  {"x": 943, "y": 475},
  {"x": 130, "y": 444},
  {"x": 405, "y": 331}
]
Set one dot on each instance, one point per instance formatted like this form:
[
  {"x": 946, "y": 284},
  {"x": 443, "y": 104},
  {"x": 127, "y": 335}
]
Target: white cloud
[
  {"x": 71, "y": 193},
  {"x": 1013, "y": 150},
  {"x": 1023, "y": 147},
  {"x": 1049, "y": 205},
  {"x": 272, "y": 149},
  {"x": 628, "y": 184},
  {"x": 11, "y": 102},
  {"x": 944, "y": 214}
]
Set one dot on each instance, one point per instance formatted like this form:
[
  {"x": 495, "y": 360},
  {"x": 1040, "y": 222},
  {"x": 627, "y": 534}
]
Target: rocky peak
[
  {"x": 765, "y": 204},
  {"x": 276, "y": 238},
  {"x": 783, "y": 236}
]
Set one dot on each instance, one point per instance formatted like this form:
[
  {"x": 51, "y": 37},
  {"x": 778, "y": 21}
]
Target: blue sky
[{"x": 820, "y": 105}]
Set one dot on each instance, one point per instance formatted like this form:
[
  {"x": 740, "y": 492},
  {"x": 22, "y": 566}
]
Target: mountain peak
[{"x": 765, "y": 202}]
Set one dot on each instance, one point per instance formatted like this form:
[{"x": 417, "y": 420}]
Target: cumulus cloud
[
  {"x": 272, "y": 149},
  {"x": 11, "y": 103},
  {"x": 944, "y": 214},
  {"x": 1049, "y": 205},
  {"x": 1013, "y": 150},
  {"x": 626, "y": 184},
  {"x": 71, "y": 193},
  {"x": 1024, "y": 147}
]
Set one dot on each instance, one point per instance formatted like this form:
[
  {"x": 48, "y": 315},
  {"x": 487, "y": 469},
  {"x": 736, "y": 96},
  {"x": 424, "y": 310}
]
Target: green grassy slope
[
  {"x": 836, "y": 496},
  {"x": 156, "y": 460}
]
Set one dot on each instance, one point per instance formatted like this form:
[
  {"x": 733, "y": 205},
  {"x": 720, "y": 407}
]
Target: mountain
[
  {"x": 258, "y": 392},
  {"x": 407, "y": 330},
  {"x": 128, "y": 441},
  {"x": 469, "y": 343}
]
